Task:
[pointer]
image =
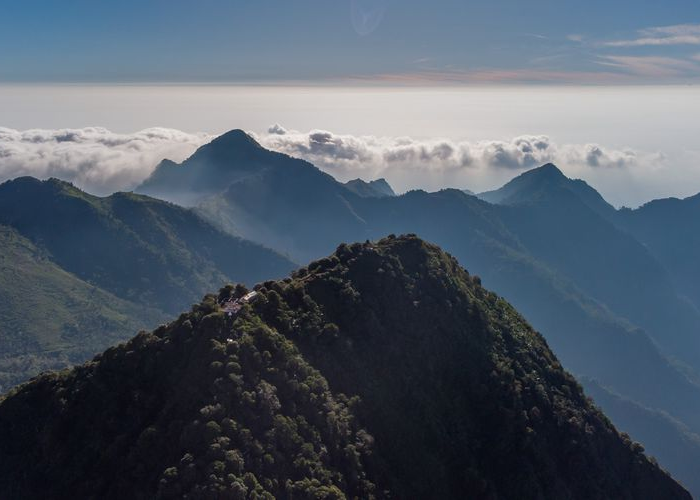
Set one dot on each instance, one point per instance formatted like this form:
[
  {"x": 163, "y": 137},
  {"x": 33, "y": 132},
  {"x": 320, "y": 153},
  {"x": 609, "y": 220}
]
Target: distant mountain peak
[
  {"x": 210, "y": 169},
  {"x": 228, "y": 148},
  {"x": 543, "y": 183},
  {"x": 234, "y": 138},
  {"x": 378, "y": 188},
  {"x": 548, "y": 169}
]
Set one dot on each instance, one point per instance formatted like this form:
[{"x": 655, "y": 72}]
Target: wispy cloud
[
  {"x": 679, "y": 34},
  {"x": 494, "y": 75},
  {"x": 652, "y": 66}
]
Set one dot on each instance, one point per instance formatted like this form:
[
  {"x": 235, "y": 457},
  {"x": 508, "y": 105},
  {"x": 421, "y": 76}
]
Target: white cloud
[
  {"x": 436, "y": 163},
  {"x": 93, "y": 158},
  {"x": 679, "y": 34},
  {"x": 102, "y": 162}
]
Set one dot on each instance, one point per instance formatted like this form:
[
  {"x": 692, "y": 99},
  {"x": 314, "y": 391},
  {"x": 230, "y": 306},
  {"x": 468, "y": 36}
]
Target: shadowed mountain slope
[
  {"x": 451, "y": 395},
  {"x": 80, "y": 272},
  {"x": 50, "y": 318},
  {"x": 670, "y": 229},
  {"x": 138, "y": 248}
]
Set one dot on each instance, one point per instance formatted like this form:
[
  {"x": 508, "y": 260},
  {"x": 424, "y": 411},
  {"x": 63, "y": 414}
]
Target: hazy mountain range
[{"x": 614, "y": 292}]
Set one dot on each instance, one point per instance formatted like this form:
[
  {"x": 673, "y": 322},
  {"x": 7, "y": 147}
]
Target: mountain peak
[
  {"x": 378, "y": 188},
  {"x": 234, "y": 138},
  {"x": 546, "y": 183},
  {"x": 550, "y": 170},
  {"x": 228, "y": 147},
  {"x": 210, "y": 169}
]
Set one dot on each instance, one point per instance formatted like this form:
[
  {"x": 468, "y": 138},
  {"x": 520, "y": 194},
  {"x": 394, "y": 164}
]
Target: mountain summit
[
  {"x": 373, "y": 189},
  {"x": 383, "y": 370},
  {"x": 546, "y": 182},
  {"x": 213, "y": 167}
]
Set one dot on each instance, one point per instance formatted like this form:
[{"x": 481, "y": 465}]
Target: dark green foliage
[
  {"x": 450, "y": 395},
  {"x": 49, "y": 318},
  {"x": 464, "y": 398},
  {"x": 202, "y": 408}
]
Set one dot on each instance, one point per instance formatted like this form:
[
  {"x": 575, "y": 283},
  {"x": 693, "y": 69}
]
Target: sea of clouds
[
  {"x": 101, "y": 161},
  {"x": 93, "y": 158}
]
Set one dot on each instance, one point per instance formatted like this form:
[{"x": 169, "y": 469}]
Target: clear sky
[{"x": 391, "y": 41}]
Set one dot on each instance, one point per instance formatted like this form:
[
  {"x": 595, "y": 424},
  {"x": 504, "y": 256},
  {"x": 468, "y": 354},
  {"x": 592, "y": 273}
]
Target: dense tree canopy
[{"x": 384, "y": 370}]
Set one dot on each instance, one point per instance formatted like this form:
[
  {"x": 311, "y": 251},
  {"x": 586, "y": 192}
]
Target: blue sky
[{"x": 350, "y": 41}]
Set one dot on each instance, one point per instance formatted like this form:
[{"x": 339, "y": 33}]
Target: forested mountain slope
[
  {"x": 80, "y": 272},
  {"x": 384, "y": 370}
]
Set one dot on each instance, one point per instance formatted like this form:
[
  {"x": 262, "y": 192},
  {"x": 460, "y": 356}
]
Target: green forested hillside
[
  {"x": 80, "y": 272},
  {"x": 384, "y": 370},
  {"x": 139, "y": 248},
  {"x": 50, "y": 318}
]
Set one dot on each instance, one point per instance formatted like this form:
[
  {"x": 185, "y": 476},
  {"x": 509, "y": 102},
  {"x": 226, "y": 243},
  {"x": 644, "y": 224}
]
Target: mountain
[
  {"x": 306, "y": 212},
  {"x": 596, "y": 301},
  {"x": 383, "y": 370},
  {"x": 138, "y": 248},
  {"x": 539, "y": 183},
  {"x": 567, "y": 225},
  {"x": 297, "y": 208},
  {"x": 372, "y": 189},
  {"x": 81, "y": 272},
  {"x": 670, "y": 229},
  {"x": 228, "y": 158},
  {"x": 49, "y": 318}
]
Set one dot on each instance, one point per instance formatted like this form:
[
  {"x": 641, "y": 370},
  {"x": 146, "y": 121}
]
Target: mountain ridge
[
  {"x": 80, "y": 272},
  {"x": 211, "y": 391}
]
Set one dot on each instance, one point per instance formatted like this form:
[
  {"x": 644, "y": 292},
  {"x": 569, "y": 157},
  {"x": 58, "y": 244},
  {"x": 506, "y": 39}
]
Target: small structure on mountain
[{"x": 233, "y": 306}]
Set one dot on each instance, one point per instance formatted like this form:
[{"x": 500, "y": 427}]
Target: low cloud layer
[
  {"x": 102, "y": 162},
  {"x": 93, "y": 158},
  {"x": 434, "y": 163}
]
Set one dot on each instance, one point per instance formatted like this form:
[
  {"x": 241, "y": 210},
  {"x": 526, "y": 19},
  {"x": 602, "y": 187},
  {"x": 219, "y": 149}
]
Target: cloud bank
[
  {"x": 93, "y": 158},
  {"x": 101, "y": 161},
  {"x": 435, "y": 163}
]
